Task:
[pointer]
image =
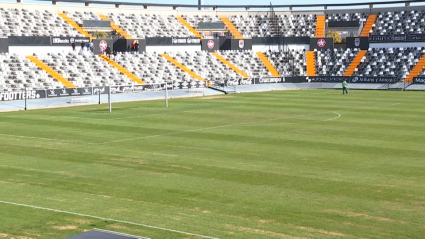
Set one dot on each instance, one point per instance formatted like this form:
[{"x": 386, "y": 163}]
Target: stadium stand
[
  {"x": 145, "y": 25},
  {"x": 334, "y": 61},
  {"x": 399, "y": 22},
  {"x": 17, "y": 72},
  {"x": 30, "y": 22},
  {"x": 289, "y": 63},
  {"x": 83, "y": 70},
  {"x": 150, "y": 67},
  {"x": 289, "y": 25},
  {"x": 389, "y": 62},
  {"x": 360, "y": 17}
]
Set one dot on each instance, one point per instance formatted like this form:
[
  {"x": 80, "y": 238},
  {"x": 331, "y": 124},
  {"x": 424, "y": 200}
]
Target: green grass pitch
[{"x": 282, "y": 164}]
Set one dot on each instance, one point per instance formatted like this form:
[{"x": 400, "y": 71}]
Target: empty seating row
[
  {"x": 27, "y": 21},
  {"x": 17, "y": 72}
]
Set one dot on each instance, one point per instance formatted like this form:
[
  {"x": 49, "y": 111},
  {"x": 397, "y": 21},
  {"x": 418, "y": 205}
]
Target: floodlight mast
[{"x": 200, "y": 3}]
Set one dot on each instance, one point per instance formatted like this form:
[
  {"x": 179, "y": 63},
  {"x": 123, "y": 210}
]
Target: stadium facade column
[{"x": 200, "y": 3}]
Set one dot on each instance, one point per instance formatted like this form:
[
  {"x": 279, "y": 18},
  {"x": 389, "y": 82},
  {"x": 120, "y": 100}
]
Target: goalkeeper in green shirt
[{"x": 344, "y": 87}]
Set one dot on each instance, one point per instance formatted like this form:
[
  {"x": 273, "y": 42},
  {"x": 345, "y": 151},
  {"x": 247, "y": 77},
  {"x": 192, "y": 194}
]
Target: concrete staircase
[
  {"x": 189, "y": 27},
  {"x": 182, "y": 67},
  {"x": 268, "y": 64},
  {"x": 121, "y": 69},
  {"x": 311, "y": 63},
  {"x": 118, "y": 29},
  {"x": 75, "y": 25},
  {"x": 229, "y": 64},
  {"x": 417, "y": 69},
  {"x": 235, "y": 32},
  {"x": 51, "y": 72},
  {"x": 355, "y": 63},
  {"x": 368, "y": 25},
  {"x": 320, "y": 26}
]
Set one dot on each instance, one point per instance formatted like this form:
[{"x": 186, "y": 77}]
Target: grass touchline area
[{"x": 281, "y": 164}]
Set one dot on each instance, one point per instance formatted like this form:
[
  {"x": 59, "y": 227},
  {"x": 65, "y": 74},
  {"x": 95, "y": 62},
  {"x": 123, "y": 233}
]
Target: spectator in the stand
[
  {"x": 108, "y": 51},
  {"x": 128, "y": 48},
  {"x": 91, "y": 46},
  {"x": 115, "y": 54},
  {"x": 133, "y": 45},
  {"x": 82, "y": 48},
  {"x": 136, "y": 46},
  {"x": 73, "y": 46}
]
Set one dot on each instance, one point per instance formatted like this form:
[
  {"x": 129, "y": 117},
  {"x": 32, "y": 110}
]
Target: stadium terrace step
[
  {"x": 268, "y": 64},
  {"x": 189, "y": 27},
  {"x": 233, "y": 67},
  {"x": 118, "y": 29},
  {"x": 355, "y": 63},
  {"x": 417, "y": 69},
  {"x": 75, "y": 25},
  {"x": 229, "y": 25},
  {"x": 368, "y": 25},
  {"x": 182, "y": 67},
  {"x": 121, "y": 69},
  {"x": 311, "y": 63},
  {"x": 51, "y": 72},
  {"x": 320, "y": 26}
]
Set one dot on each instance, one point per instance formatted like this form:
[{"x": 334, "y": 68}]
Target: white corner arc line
[
  {"x": 108, "y": 219},
  {"x": 339, "y": 116}
]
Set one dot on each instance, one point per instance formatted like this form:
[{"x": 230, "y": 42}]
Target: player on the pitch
[{"x": 344, "y": 87}]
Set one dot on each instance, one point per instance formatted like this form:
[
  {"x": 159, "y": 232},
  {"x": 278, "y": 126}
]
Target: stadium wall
[
  {"x": 397, "y": 45},
  {"x": 4, "y": 45},
  {"x": 161, "y": 49}
]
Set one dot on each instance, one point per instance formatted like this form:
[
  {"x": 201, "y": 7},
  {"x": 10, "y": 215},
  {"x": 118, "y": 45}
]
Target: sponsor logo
[
  {"x": 185, "y": 40},
  {"x": 56, "y": 40},
  {"x": 98, "y": 90},
  {"x": 246, "y": 82},
  {"x": 18, "y": 95},
  {"x": 210, "y": 44},
  {"x": 51, "y": 93},
  {"x": 86, "y": 91},
  {"x": 64, "y": 92},
  {"x": 65, "y": 40},
  {"x": 419, "y": 80},
  {"x": 75, "y": 91},
  {"x": 103, "y": 45},
  {"x": 272, "y": 80},
  {"x": 115, "y": 90},
  {"x": 354, "y": 80},
  {"x": 201, "y": 84},
  {"x": 232, "y": 82},
  {"x": 241, "y": 44},
  {"x": 321, "y": 43},
  {"x": 357, "y": 42}
]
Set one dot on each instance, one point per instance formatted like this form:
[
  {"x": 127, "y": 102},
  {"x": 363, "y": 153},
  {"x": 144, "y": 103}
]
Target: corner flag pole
[
  {"x": 109, "y": 99},
  {"x": 166, "y": 95},
  {"x": 26, "y": 98}
]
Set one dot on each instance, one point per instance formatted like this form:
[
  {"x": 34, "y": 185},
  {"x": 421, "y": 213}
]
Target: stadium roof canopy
[{"x": 370, "y": 4}]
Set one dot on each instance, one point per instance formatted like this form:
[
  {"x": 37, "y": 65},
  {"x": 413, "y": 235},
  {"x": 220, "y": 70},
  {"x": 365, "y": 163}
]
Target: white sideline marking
[
  {"x": 139, "y": 116},
  {"x": 339, "y": 116},
  {"x": 30, "y": 137},
  {"x": 107, "y": 219}
]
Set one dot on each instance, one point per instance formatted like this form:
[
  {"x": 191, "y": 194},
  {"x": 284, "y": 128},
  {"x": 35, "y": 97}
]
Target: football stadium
[{"x": 124, "y": 120}]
